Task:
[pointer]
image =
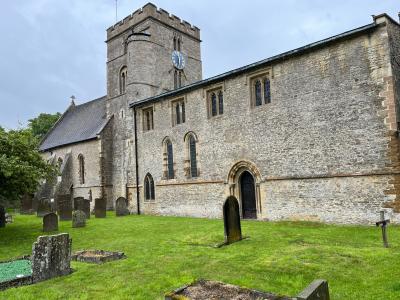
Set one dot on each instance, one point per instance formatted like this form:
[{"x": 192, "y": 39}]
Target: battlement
[{"x": 151, "y": 11}]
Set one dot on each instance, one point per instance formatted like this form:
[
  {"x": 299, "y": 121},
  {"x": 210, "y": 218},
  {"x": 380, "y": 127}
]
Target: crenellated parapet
[{"x": 159, "y": 14}]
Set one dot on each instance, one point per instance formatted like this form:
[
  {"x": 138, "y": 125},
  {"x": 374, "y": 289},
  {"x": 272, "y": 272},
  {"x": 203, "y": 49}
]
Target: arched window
[
  {"x": 170, "y": 160},
  {"x": 213, "y": 104},
  {"x": 257, "y": 92},
  {"x": 149, "y": 187},
  {"x": 81, "y": 161},
  {"x": 59, "y": 162},
  {"x": 221, "y": 102},
  {"x": 174, "y": 42},
  {"x": 179, "y": 45},
  {"x": 192, "y": 156},
  {"x": 123, "y": 73},
  {"x": 267, "y": 91}
]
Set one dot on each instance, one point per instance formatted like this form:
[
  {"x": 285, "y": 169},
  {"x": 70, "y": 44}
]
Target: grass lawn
[{"x": 164, "y": 253}]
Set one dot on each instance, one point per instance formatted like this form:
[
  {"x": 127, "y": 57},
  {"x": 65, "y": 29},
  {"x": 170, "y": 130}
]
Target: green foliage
[
  {"x": 42, "y": 124},
  {"x": 164, "y": 253},
  {"x": 21, "y": 165}
]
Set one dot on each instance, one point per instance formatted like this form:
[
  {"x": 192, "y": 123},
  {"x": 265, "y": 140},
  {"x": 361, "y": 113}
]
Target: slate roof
[{"x": 78, "y": 123}]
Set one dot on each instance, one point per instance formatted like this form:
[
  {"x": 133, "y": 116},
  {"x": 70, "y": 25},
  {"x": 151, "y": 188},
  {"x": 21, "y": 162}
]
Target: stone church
[{"x": 309, "y": 134}]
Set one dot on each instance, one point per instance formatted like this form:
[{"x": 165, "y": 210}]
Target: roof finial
[{"x": 72, "y": 100}]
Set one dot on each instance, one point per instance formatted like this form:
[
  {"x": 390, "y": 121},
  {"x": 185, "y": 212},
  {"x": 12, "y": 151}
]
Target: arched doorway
[{"x": 248, "y": 196}]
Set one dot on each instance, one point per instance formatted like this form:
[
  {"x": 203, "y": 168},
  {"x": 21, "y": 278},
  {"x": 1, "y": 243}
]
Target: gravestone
[
  {"x": 51, "y": 257},
  {"x": 50, "y": 222},
  {"x": 2, "y": 217},
  {"x": 26, "y": 204},
  {"x": 317, "y": 290},
  {"x": 100, "y": 208},
  {"x": 78, "y": 219},
  {"x": 121, "y": 207},
  {"x": 82, "y": 204},
  {"x": 64, "y": 207},
  {"x": 233, "y": 231},
  {"x": 44, "y": 207}
]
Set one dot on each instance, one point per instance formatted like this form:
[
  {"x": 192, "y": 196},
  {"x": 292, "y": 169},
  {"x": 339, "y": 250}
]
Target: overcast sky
[{"x": 52, "y": 49}]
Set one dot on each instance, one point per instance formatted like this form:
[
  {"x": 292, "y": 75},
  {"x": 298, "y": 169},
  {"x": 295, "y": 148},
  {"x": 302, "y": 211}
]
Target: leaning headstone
[
  {"x": 51, "y": 256},
  {"x": 317, "y": 290},
  {"x": 50, "y": 222},
  {"x": 44, "y": 207},
  {"x": 78, "y": 219},
  {"x": 100, "y": 207},
  {"x": 2, "y": 217},
  {"x": 233, "y": 231},
  {"x": 121, "y": 207},
  {"x": 26, "y": 204},
  {"x": 64, "y": 207}
]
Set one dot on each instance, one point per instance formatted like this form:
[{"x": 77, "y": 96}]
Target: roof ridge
[{"x": 91, "y": 101}]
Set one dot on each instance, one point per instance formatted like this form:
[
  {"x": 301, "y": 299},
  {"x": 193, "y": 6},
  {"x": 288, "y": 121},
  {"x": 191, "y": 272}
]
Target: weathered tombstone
[
  {"x": 51, "y": 256},
  {"x": 44, "y": 207},
  {"x": 78, "y": 219},
  {"x": 121, "y": 207},
  {"x": 78, "y": 203},
  {"x": 64, "y": 207},
  {"x": 100, "y": 207},
  {"x": 26, "y": 204},
  {"x": 50, "y": 222},
  {"x": 2, "y": 217},
  {"x": 317, "y": 290},
  {"x": 233, "y": 231},
  {"x": 82, "y": 204}
]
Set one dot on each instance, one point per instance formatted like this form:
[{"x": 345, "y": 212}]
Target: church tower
[{"x": 148, "y": 53}]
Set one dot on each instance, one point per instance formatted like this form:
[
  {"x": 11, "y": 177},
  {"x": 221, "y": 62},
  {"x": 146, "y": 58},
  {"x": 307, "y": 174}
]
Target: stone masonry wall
[
  {"x": 150, "y": 72},
  {"x": 320, "y": 147},
  {"x": 90, "y": 150}
]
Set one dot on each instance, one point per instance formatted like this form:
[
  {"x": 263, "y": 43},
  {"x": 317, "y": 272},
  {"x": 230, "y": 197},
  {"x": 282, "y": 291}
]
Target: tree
[
  {"x": 21, "y": 165},
  {"x": 42, "y": 124}
]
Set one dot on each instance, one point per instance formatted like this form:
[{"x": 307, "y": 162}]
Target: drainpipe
[{"x": 136, "y": 163}]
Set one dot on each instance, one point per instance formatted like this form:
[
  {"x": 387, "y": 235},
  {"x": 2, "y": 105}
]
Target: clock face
[{"x": 178, "y": 60}]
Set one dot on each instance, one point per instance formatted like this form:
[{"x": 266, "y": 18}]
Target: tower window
[
  {"x": 81, "y": 161},
  {"x": 215, "y": 100},
  {"x": 149, "y": 187},
  {"x": 148, "y": 121},
  {"x": 123, "y": 74},
  {"x": 177, "y": 79},
  {"x": 178, "y": 115}
]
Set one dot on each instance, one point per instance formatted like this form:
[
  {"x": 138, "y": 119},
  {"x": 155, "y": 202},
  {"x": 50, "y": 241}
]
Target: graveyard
[{"x": 165, "y": 253}]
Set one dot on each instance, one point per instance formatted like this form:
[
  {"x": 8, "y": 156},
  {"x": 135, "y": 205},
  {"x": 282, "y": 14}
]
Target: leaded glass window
[
  {"x": 257, "y": 92},
  {"x": 213, "y": 104},
  {"x": 192, "y": 152},
  {"x": 267, "y": 91},
  {"x": 81, "y": 160},
  {"x": 149, "y": 187},
  {"x": 221, "y": 102},
  {"x": 170, "y": 160}
]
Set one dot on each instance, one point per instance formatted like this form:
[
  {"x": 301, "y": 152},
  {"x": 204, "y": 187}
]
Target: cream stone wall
[
  {"x": 90, "y": 150},
  {"x": 320, "y": 147}
]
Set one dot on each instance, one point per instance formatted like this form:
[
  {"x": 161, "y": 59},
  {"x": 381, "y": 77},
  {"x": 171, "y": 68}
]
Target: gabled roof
[{"x": 78, "y": 123}]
